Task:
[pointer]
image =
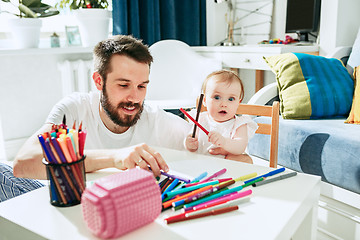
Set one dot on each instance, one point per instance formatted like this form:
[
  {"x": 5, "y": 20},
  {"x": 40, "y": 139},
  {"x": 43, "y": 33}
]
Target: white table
[
  {"x": 251, "y": 56},
  {"x": 280, "y": 210}
]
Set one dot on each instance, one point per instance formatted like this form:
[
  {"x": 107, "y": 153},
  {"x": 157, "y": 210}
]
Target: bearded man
[{"x": 120, "y": 126}]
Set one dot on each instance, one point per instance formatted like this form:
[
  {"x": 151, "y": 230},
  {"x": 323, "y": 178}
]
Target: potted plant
[
  {"x": 25, "y": 28},
  {"x": 76, "y": 4},
  {"x": 93, "y": 19}
]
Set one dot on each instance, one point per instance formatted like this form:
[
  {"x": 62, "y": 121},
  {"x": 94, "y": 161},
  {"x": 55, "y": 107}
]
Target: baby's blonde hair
[{"x": 224, "y": 76}]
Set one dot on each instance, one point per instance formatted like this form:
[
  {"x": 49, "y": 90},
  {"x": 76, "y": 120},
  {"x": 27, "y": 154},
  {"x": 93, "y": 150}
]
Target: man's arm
[{"x": 28, "y": 162}]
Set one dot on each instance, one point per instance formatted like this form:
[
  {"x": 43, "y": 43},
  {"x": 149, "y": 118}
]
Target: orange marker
[
  {"x": 75, "y": 170},
  {"x": 45, "y": 135},
  {"x": 70, "y": 148},
  {"x": 64, "y": 148}
]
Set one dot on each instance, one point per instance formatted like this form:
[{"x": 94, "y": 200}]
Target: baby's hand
[
  {"x": 191, "y": 143},
  {"x": 217, "y": 139}
]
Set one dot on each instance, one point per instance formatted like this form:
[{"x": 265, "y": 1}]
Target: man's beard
[{"x": 112, "y": 111}]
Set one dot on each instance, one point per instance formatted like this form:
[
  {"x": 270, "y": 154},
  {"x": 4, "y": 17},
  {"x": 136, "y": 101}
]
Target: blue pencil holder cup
[{"x": 66, "y": 182}]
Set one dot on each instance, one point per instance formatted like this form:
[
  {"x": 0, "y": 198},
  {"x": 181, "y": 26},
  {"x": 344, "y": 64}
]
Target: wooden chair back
[{"x": 268, "y": 129}]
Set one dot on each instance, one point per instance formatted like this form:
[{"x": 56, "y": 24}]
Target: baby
[{"x": 228, "y": 133}]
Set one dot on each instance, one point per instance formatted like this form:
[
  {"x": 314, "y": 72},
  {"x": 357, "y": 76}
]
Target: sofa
[{"x": 326, "y": 147}]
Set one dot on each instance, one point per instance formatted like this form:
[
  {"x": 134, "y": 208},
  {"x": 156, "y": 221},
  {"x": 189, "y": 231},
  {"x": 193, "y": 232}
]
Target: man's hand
[
  {"x": 140, "y": 155},
  {"x": 191, "y": 144},
  {"x": 217, "y": 139}
]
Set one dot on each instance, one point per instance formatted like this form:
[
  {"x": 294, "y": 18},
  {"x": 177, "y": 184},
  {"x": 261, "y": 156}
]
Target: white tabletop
[{"x": 275, "y": 210}]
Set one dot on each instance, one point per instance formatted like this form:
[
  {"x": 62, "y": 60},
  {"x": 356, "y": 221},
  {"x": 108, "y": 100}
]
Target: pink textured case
[{"x": 120, "y": 203}]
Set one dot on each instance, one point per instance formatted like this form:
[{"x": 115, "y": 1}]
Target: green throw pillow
[{"x": 311, "y": 87}]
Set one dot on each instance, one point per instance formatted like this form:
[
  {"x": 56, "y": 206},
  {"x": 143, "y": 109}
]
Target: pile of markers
[
  {"x": 63, "y": 151},
  {"x": 204, "y": 196}
]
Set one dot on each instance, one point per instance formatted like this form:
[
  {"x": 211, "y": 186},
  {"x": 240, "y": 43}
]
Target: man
[{"x": 119, "y": 125}]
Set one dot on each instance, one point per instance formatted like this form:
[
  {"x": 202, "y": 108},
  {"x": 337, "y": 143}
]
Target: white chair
[{"x": 176, "y": 74}]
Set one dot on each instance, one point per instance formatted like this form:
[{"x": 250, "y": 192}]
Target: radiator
[{"x": 76, "y": 76}]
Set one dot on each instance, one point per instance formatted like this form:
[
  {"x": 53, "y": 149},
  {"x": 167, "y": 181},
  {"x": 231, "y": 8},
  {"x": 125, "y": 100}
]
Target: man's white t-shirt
[{"x": 155, "y": 126}]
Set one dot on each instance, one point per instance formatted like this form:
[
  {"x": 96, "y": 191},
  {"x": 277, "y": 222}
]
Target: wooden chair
[{"x": 264, "y": 128}]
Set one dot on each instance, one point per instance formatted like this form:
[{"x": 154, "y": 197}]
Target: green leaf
[
  {"x": 49, "y": 13},
  {"x": 27, "y": 11}
]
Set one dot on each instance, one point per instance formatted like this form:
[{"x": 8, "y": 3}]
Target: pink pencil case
[{"x": 119, "y": 203}]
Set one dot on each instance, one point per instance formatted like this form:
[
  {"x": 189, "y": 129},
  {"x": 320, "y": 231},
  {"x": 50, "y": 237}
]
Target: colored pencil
[
  {"x": 276, "y": 171},
  {"x": 198, "y": 113},
  {"x": 194, "y": 121},
  {"x": 218, "y": 173},
  {"x": 292, "y": 174},
  {"x": 200, "y": 215}
]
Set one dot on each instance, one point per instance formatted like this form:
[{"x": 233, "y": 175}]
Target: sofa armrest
[{"x": 265, "y": 94}]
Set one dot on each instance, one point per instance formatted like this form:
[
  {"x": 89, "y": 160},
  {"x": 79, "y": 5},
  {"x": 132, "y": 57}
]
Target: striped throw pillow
[{"x": 311, "y": 86}]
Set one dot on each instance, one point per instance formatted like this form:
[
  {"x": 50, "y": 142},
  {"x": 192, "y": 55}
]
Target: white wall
[
  {"x": 340, "y": 20},
  {"x": 339, "y": 23},
  {"x": 30, "y": 86},
  {"x": 215, "y": 22}
]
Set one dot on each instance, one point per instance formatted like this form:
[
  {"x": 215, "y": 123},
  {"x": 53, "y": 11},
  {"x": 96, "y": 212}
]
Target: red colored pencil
[
  {"x": 193, "y": 215},
  {"x": 192, "y": 119}
]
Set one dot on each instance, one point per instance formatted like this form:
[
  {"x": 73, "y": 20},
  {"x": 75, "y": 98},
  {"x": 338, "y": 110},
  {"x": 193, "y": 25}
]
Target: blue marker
[
  {"x": 198, "y": 178},
  {"x": 276, "y": 171},
  {"x": 53, "y": 192},
  {"x": 178, "y": 203},
  {"x": 46, "y": 148}
]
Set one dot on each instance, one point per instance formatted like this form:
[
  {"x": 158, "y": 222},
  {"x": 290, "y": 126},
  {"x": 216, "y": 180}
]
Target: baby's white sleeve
[{"x": 251, "y": 125}]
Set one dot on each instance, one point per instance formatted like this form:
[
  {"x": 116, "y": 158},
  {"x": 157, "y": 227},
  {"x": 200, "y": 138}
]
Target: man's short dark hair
[{"x": 120, "y": 45}]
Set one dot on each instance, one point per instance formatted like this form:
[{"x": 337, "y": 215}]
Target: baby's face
[{"x": 222, "y": 99}]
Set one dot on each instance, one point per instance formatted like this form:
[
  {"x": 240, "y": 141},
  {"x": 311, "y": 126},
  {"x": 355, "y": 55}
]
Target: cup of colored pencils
[{"x": 63, "y": 151}]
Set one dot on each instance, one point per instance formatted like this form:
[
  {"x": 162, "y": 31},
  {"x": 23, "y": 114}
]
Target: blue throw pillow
[{"x": 311, "y": 86}]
